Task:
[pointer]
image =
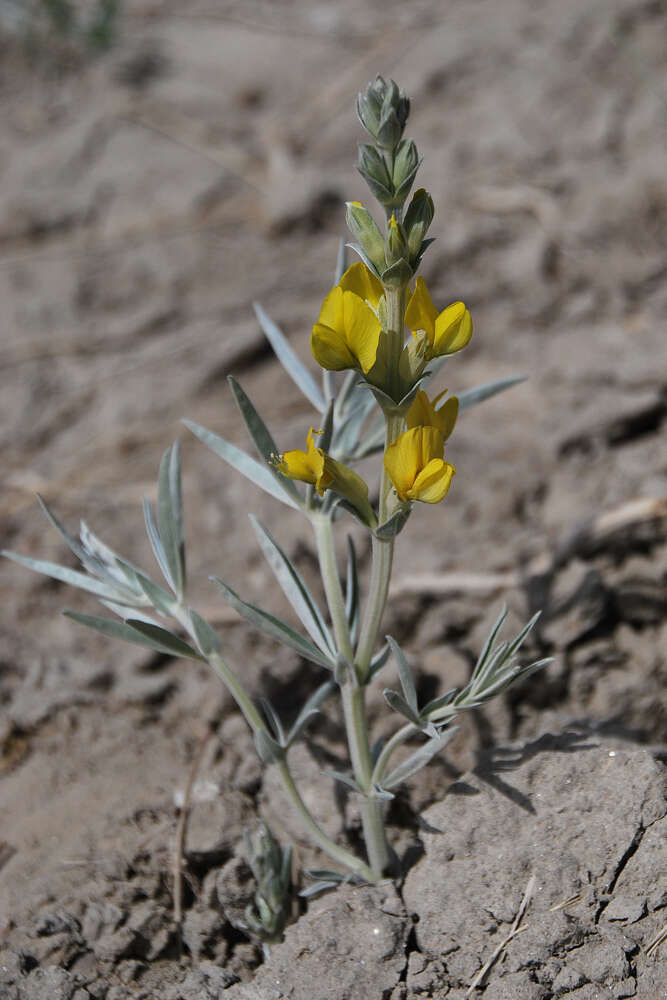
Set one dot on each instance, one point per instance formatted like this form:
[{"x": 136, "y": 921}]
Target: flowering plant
[{"x": 381, "y": 405}]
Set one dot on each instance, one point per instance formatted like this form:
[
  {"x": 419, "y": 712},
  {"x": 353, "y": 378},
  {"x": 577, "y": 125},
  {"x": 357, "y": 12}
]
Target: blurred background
[{"x": 163, "y": 166}]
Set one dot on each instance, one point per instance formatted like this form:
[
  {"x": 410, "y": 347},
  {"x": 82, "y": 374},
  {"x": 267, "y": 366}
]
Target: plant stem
[
  {"x": 372, "y": 812},
  {"x": 353, "y": 697},
  {"x": 339, "y": 854},
  {"x": 381, "y": 562},
  {"x": 332, "y": 586}
]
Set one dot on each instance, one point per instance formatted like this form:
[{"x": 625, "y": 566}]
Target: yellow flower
[
  {"x": 306, "y": 466},
  {"x": 423, "y": 413},
  {"x": 347, "y": 332},
  {"x": 416, "y": 466},
  {"x": 447, "y": 332},
  {"x": 323, "y": 472}
]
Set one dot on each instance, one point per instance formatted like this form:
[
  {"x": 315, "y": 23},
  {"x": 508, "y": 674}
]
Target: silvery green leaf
[
  {"x": 400, "y": 705},
  {"x": 405, "y": 675},
  {"x": 169, "y": 642},
  {"x": 71, "y": 576},
  {"x": 378, "y": 661},
  {"x": 327, "y": 428},
  {"x": 395, "y": 524},
  {"x": 471, "y": 397},
  {"x": 294, "y": 587},
  {"x": 207, "y": 638},
  {"x": 170, "y": 517},
  {"x": 359, "y": 250},
  {"x": 316, "y": 888},
  {"x": 156, "y": 543},
  {"x": 376, "y": 750},
  {"x": 273, "y": 626},
  {"x": 352, "y": 590},
  {"x": 418, "y": 759},
  {"x": 124, "y": 612},
  {"x": 274, "y": 721},
  {"x": 373, "y": 441},
  {"x": 344, "y": 779},
  {"x": 290, "y": 361},
  {"x": 436, "y": 704},
  {"x": 341, "y": 261},
  {"x": 491, "y": 639},
  {"x": 69, "y": 539},
  {"x": 133, "y": 631},
  {"x": 323, "y": 879},
  {"x": 160, "y": 598},
  {"x": 310, "y": 708},
  {"x": 268, "y": 750},
  {"x": 260, "y": 475},
  {"x": 261, "y": 435},
  {"x": 381, "y": 793}
]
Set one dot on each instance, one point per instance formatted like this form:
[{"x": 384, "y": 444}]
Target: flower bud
[
  {"x": 363, "y": 227},
  {"x": 373, "y": 169},
  {"x": 417, "y": 220},
  {"x": 383, "y": 111},
  {"x": 406, "y": 165},
  {"x": 395, "y": 245}
]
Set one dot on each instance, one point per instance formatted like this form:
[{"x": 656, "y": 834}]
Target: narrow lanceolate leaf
[
  {"x": 137, "y": 632},
  {"x": 161, "y": 599},
  {"x": 418, "y": 759},
  {"x": 207, "y": 637},
  {"x": 126, "y": 613},
  {"x": 378, "y": 661},
  {"x": 471, "y": 397},
  {"x": 169, "y": 642},
  {"x": 274, "y": 721},
  {"x": 261, "y": 435},
  {"x": 290, "y": 361},
  {"x": 311, "y": 707},
  {"x": 71, "y": 576},
  {"x": 352, "y": 590},
  {"x": 344, "y": 779},
  {"x": 294, "y": 587},
  {"x": 273, "y": 626},
  {"x": 170, "y": 517},
  {"x": 400, "y": 705},
  {"x": 254, "y": 471},
  {"x": 481, "y": 660},
  {"x": 341, "y": 261},
  {"x": 268, "y": 750},
  {"x": 156, "y": 543},
  {"x": 405, "y": 675}
]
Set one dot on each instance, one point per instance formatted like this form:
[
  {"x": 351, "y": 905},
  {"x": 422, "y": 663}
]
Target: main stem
[{"x": 353, "y": 696}]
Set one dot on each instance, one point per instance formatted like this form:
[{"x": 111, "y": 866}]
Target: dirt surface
[{"x": 148, "y": 197}]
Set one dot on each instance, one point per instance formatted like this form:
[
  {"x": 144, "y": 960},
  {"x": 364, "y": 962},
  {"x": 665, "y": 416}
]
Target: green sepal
[
  {"x": 398, "y": 274},
  {"x": 394, "y": 524}
]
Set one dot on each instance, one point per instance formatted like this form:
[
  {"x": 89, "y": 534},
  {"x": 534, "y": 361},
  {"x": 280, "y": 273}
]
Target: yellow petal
[
  {"x": 447, "y": 416},
  {"x": 306, "y": 466},
  {"x": 421, "y": 314},
  {"x": 331, "y": 313},
  {"x": 433, "y": 482},
  {"x": 362, "y": 330},
  {"x": 402, "y": 460},
  {"x": 360, "y": 280},
  {"x": 453, "y": 330},
  {"x": 421, "y": 412},
  {"x": 330, "y": 349}
]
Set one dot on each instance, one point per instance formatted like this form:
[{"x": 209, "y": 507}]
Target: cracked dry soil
[{"x": 148, "y": 196}]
